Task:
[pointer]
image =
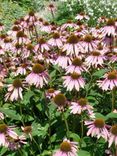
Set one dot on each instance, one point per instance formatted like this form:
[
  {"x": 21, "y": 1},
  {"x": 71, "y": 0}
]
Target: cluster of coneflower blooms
[{"x": 33, "y": 46}]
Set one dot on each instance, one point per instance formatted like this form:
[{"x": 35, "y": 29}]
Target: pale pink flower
[
  {"x": 72, "y": 46},
  {"x": 109, "y": 82},
  {"x": 27, "y": 131},
  {"x": 63, "y": 61},
  {"x": 113, "y": 136},
  {"x": 21, "y": 38},
  {"x": 1, "y": 116},
  {"x": 67, "y": 148},
  {"x": 51, "y": 93},
  {"x": 73, "y": 81},
  {"x": 38, "y": 77},
  {"x": 80, "y": 106},
  {"x": 56, "y": 40},
  {"x": 5, "y": 132},
  {"x": 76, "y": 66},
  {"x": 82, "y": 16},
  {"x": 42, "y": 45},
  {"x": 109, "y": 29},
  {"x": 1, "y": 27},
  {"x": 102, "y": 19},
  {"x": 95, "y": 59},
  {"x": 97, "y": 128},
  {"x": 14, "y": 31},
  {"x": 46, "y": 27},
  {"x": 22, "y": 69},
  {"x": 14, "y": 91},
  {"x": 69, "y": 24},
  {"x": 14, "y": 144},
  {"x": 89, "y": 43}
]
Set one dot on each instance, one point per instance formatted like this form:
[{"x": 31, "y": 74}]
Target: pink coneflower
[
  {"x": 42, "y": 45},
  {"x": 89, "y": 43},
  {"x": 63, "y": 61},
  {"x": 22, "y": 69},
  {"x": 56, "y": 40},
  {"x": 110, "y": 28},
  {"x": 95, "y": 59},
  {"x": 14, "y": 31},
  {"x": 5, "y": 132},
  {"x": 73, "y": 81},
  {"x": 102, "y": 19},
  {"x": 82, "y": 16},
  {"x": 14, "y": 91},
  {"x": 60, "y": 101},
  {"x": 27, "y": 130},
  {"x": 76, "y": 66},
  {"x": 72, "y": 47},
  {"x": 38, "y": 77},
  {"x": 28, "y": 49},
  {"x": 80, "y": 106},
  {"x": 21, "y": 38},
  {"x": 67, "y": 148},
  {"x": 113, "y": 135},
  {"x": 46, "y": 27},
  {"x": 69, "y": 24},
  {"x": 1, "y": 27},
  {"x": 51, "y": 93},
  {"x": 7, "y": 44},
  {"x": 97, "y": 128},
  {"x": 1, "y": 51},
  {"x": 14, "y": 144},
  {"x": 1, "y": 116},
  {"x": 109, "y": 82}
]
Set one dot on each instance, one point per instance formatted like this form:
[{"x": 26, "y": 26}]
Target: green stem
[
  {"x": 66, "y": 124},
  {"x": 113, "y": 99},
  {"x": 22, "y": 120},
  {"x": 82, "y": 131},
  {"x": 49, "y": 122},
  {"x": 36, "y": 144}
]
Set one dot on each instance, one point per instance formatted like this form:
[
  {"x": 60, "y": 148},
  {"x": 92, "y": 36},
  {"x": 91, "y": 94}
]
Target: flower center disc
[
  {"x": 51, "y": 90},
  {"x": 45, "y": 23},
  {"x": 38, "y": 68},
  {"x": 88, "y": 38},
  {"x": 30, "y": 47},
  {"x": 65, "y": 146},
  {"x": 99, "y": 123},
  {"x": 56, "y": 35},
  {"x": 77, "y": 62},
  {"x": 41, "y": 41},
  {"x": 96, "y": 53},
  {"x": 75, "y": 76},
  {"x": 3, "y": 128},
  {"x": 60, "y": 99},
  {"x": 110, "y": 22},
  {"x": 114, "y": 130},
  {"x": 20, "y": 34},
  {"x": 82, "y": 102},
  {"x": 73, "y": 39},
  {"x": 112, "y": 75},
  {"x": 17, "y": 83},
  {"x": 27, "y": 129}
]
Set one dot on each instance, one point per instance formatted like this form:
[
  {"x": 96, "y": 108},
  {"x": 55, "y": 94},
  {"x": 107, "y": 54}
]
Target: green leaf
[
  {"x": 27, "y": 97},
  {"x": 83, "y": 153},
  {"x": 3, "y": 151},
  {"x": 111, "y": 115},
  {"x": 10, "y": 113},
  {"x": 99, "y": 115},
  {"x": 100, "y": 73}
]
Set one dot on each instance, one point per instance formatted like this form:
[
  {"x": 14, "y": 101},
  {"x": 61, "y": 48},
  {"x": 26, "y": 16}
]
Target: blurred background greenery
[{"x": 66, "y": 9}]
